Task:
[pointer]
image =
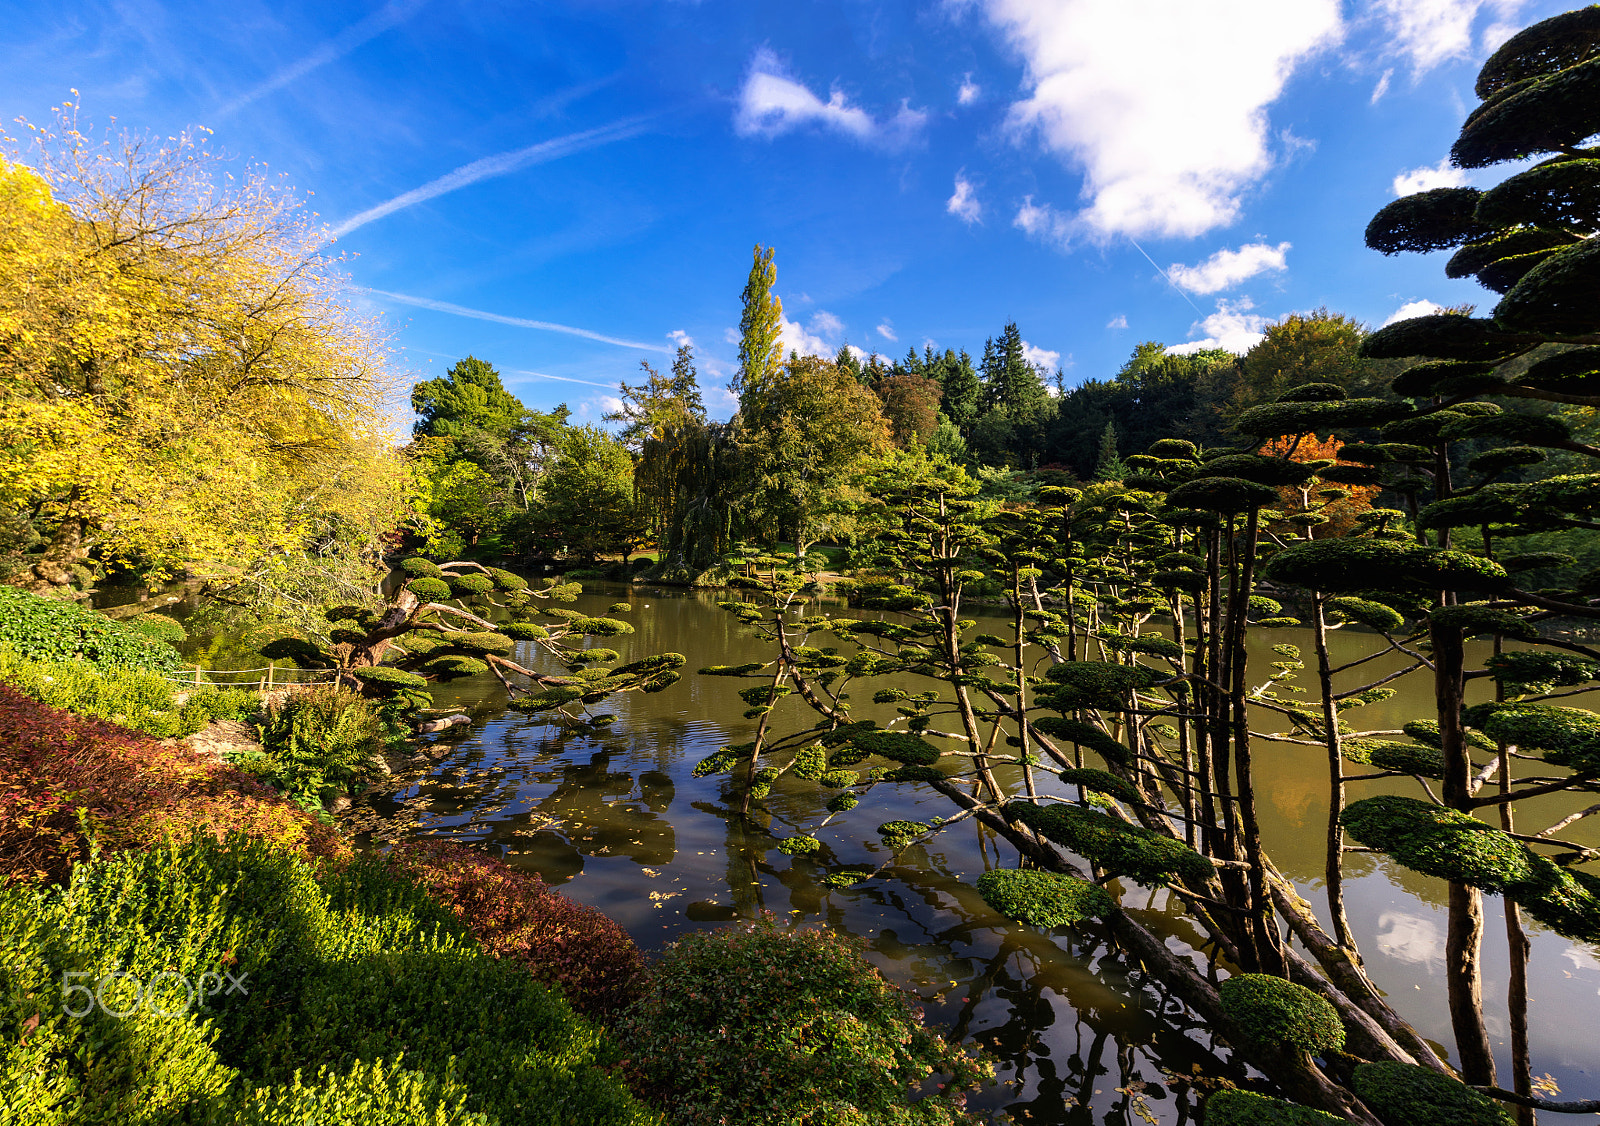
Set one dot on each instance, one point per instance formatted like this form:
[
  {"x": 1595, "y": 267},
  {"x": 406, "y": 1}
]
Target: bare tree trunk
[
  {"x": 1333, "y": 866},
  {"x": 1464, "y": 941}
]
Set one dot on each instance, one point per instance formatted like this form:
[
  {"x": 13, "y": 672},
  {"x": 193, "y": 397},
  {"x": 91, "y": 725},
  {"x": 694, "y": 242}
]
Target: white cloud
[
  {"x": 859, "y": 353},
  {"x": 1227, "y": 268},
  {"x": 1040, "y": 357},
  {"x": 970, "y": 91},
  {"x": 731, "y": 335},
  {"x": 1422, "y": 179},
  {"x": 1496, "y": 34},
  {"x": 610, "y": 404},
  {"x": 1120, "y": 321},
  {"x": 1381, "y": 88},
  {"x": 772, "y": 103},
  {"x": 1429, "y": 32},
  {"x": 885, "y": 331},
  {"x": 963, "y": 204},
  {"x": 498, "y": 165},
  {"x": 826, "y": 323},
  {"x": 1163, "y": 106},
  {"x": 1419, "y": 308},
  {"x": 1410, "y": 938},
  {"x": 497, "y": 318},
  {"x": 680, "y": 339},
  {"x": 815, "y": 339},
  {"x": 1043, "y": 222},
  {"x": 1233, "y": 328}
]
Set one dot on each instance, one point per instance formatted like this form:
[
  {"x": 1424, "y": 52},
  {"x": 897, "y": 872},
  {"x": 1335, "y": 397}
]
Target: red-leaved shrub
[
  {"x": 64, "y": 778},
  {"x": 514, "y": 915}
]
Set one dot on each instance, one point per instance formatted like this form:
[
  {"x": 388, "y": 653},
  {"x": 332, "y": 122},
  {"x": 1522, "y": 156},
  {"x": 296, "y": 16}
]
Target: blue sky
[{"x": 565, "y": 189}]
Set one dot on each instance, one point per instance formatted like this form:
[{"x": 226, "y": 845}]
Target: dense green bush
[
  {"x": 354, "y": 976},
  {"x": 1043, "y": 899},
  {"x": 1272, "y": 1012},
  {"x": 133, "y": 698},
  {"x": 1246, "y": 1108},
  {"x": 758, "y": 1025},
  {"x": 324, "y": 736},
  {"x": 1410, "y": 1095},
  {"x": 45, "y": 629}
]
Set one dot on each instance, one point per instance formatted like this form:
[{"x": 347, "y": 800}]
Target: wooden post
[{"x": 197, "y": 677}]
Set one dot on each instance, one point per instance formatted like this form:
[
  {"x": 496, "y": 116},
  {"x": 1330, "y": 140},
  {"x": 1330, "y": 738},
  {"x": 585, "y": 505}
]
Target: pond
[{"x": 617, "y": 820}]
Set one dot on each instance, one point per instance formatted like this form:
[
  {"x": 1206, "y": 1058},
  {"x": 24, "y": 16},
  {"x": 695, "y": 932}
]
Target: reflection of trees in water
[{"x": 1084, "y": 1036}]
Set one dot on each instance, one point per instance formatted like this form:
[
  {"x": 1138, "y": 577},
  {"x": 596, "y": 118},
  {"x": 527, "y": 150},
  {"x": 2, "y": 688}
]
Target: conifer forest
[{"x": 940, "y": 738}]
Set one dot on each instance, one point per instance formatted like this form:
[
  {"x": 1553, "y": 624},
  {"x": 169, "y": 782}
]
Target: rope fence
[{"x": 276, "y": 676}]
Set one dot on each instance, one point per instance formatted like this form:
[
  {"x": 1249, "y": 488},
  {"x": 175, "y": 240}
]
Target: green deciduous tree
[
  {"x": 760, "y": 328},
  {"x": 800, "y": 436}
]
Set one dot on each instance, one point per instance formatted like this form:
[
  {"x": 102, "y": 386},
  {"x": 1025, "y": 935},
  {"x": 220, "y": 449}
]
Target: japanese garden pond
[{"x": 618, "y": 820}]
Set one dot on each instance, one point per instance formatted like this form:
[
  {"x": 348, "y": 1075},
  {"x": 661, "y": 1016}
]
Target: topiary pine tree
[
  {"x": 1528, "y": 239},
  {"x": 426, "y": 633}
]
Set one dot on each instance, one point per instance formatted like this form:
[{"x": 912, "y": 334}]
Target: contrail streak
[
  {"x": 518, "y": 322},
  {"x": 565, "y": 379},
  {"x": 498, "y": 165},
  {"x": 393, "y": 13}
]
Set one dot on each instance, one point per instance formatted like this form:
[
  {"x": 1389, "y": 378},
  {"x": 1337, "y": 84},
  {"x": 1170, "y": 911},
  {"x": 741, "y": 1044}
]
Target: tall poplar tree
[{"x": 760, "y": 330}]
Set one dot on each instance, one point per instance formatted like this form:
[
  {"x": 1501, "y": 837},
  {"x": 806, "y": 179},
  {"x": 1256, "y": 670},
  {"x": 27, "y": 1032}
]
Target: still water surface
[{"x": 618, "y": 821}]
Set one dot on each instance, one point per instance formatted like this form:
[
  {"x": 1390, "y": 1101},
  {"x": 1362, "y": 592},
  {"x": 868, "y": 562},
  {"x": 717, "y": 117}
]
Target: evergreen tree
[
  {"x": 661, "y": 402},
  {"x": 468, "y": 396},
  {"x": 1021, "y": 391},
  {"x": 846, "y": 361},
  {"x": 962, "y": 391},
  {"x": 1109, "y": 467},
  {"x": 760, "y": 330}
]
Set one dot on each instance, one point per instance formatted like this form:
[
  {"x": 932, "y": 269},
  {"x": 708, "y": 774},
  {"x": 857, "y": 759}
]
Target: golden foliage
[{"x": 181, "y": 377}]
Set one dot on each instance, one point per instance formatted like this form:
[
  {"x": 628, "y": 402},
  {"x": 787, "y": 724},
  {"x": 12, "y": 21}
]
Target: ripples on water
[{"x": 618, "y": 821}]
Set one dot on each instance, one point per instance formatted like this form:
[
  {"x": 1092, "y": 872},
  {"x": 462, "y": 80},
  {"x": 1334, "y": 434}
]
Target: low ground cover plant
[
  {"x": 513, "y": 915},
  {"x": 71, "y": 787},
  {"x": 47, "y": 629}
]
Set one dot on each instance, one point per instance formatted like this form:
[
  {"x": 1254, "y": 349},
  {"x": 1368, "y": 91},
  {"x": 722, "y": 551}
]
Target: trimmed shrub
[
  {"x": 1121, "y": 848},
  {"x": 69, "y": 786},
  {"x": 1043, "y": 899},
  {"x": 464, "y": 586},
  {"x": 761, "y": 1026},
  {"x": 1271, "y": 1012},
  {"x": 1403, "y": 1094},
  {"x": 1246, "y": 1108},
  {"x": 160, "y": 627},
  {"x": 420, "y": 568},
  {"x": 429, "y": 589},
  {"x": 514, "y": 915},
  {"x": 1437, "y": 841},
  {"x": 45, "y": 629},
  {"x": 376, "y": 1094}
]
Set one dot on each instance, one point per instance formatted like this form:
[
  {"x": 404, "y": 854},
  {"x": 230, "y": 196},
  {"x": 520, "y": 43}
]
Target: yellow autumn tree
[{"x": 183, "y": 384}]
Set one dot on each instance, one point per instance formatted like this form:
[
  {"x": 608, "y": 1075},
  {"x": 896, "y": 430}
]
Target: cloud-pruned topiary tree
[{"x": 426, "y": 632}]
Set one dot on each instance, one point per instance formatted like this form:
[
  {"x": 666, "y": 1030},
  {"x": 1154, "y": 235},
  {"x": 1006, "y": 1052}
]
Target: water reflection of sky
[{"x": 619, "y": 822}]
